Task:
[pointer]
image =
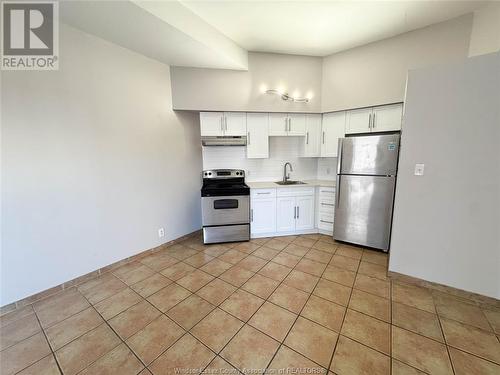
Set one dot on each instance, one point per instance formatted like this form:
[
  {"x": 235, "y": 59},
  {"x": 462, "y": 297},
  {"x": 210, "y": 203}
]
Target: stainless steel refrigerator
[{"x": 366, "y": 179}]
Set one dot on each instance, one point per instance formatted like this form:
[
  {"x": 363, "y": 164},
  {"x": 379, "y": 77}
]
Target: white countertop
[{"x": 273, "y": 184}]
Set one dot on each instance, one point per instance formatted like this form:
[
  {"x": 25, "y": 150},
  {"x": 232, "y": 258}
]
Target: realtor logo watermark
[{"x": 30, "y": 35}]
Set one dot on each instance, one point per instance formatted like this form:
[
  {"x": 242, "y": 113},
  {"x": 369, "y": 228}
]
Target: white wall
[
  {"x": 485, "y": 36},
  {"x": 230, "y": 90},
  {"x": 446, "y": 223},
  {"x": 376, "y": 73},
  {"x": 94, "y": 161}
]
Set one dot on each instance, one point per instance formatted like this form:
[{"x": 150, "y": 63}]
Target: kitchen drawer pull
[
  {"x": 328, "y": 222},
  {"x": 328, "y": 204}
]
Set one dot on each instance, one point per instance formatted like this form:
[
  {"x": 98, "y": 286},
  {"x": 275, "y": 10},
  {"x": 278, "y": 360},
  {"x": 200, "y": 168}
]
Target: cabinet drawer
[
  {"x": 295, "y": 191},
  {"x": 326, "y": 190},
  {"x": 325, "y": 219},
  {"x": 326, "y": 207},
  {"x": 262, "y": 193}
]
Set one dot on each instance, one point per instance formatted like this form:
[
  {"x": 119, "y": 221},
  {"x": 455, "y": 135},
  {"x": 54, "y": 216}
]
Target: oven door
[{"x": 225, "y": 210}]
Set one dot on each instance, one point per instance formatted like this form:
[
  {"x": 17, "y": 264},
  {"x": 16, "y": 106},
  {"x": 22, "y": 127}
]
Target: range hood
[{"x": 223, "y": 141}]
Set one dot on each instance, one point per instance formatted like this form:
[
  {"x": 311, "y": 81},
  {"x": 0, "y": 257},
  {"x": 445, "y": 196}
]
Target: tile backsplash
[{"x": 281, "y": 150}]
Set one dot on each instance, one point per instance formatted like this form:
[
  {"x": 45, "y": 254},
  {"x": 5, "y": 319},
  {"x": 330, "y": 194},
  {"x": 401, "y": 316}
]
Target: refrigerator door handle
[{"x": 339, "y": 169}]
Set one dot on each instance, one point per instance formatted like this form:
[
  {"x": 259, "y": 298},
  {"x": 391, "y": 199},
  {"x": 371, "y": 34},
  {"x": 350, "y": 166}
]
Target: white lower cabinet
[
  {"x": 326, "y": 209},
  {"x": 305, "y": 213},
  {"x": 263, "y": 215},
  {"x": 285, "y": 212},
  {"x": 282, "y": 211}
]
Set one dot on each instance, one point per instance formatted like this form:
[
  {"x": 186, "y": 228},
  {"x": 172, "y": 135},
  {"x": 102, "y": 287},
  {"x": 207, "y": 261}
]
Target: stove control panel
[{"x": 223, "y": 173}]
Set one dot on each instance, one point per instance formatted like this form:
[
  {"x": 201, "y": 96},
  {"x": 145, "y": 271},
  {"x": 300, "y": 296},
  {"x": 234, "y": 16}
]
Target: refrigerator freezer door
[
  {"x": 363, "y": 213},
  {"x": 370, "y": 155}
]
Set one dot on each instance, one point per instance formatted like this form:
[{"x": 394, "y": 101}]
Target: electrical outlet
[
  {"x": 161, "y": 232},
  {"x": 419, "y": 169}
]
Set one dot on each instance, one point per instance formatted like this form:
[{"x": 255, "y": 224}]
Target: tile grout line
[
  {"x": 265, "y": 300},
  {"x": 255, "y": 312},
  {"x": 344, "y": 317},
  {"x": 112, "y": 329},
  {"x": 282, "y": 343}
]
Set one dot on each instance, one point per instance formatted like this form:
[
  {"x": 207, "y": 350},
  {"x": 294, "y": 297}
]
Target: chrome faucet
[{"x": 285, "y": 177}]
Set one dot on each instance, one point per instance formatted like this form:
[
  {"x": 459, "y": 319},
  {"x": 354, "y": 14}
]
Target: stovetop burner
[{"x": 224, "y": 182}]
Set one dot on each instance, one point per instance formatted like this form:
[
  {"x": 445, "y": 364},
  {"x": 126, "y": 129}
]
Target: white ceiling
[
  {"x": 320, "y": 28},
  {"x": 218, "y": 34},
  {"x": 165, "y": 31}
]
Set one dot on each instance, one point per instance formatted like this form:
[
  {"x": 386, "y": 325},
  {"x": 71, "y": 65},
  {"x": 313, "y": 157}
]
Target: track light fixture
[{"x": 286, "y": 97}]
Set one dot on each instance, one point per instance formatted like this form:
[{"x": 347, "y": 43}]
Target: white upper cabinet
[
  {"x": 278, "y": 124},
  {"x": 211, "y": 123},
  {"x": 296, "y": 124},
  {"x": 377, "y": 119},
  {"x": 235, "y": 123},
  {"x": 257, "y": 135},
  {"x": 333, "y": 128},
  {"x": 358, "y": 121},
  {"x": 284, "y": 124},
  {"x": 312, "y": 139},
  {"x": 223, "y": 123},
  {"x": 387, "y": 118}
]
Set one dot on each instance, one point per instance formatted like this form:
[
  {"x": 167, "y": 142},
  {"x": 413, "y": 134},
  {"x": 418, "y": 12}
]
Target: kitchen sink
[{"x": 289, "y": 182}]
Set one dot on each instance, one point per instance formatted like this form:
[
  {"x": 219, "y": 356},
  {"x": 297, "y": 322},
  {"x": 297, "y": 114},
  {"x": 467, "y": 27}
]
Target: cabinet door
[
  {"x": 358, "y": 121},
  {"x": 285, "y": 214},
  {"x": 235, "y": 123},
  {"x": 296, "y": 124},
  {"x": 387, "y": 118},
  {"x": 313, "y": 136},
  {"x": 333, "y": 128},
  {"x": 211, "y": 123},
  {"x": 278, "y": 124},
  {"x": 263, "y": 215},
  {"x": 305, "y": 213},
  {"x": 257, "y": 135}
]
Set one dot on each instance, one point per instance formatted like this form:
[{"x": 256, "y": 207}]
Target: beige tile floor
[{"x": 289, "y": 305}]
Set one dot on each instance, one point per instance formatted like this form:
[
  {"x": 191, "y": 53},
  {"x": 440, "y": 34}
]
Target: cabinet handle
[
  {"x": 328, "y": 204},
  {"x": 323, "y": 137},
  {"x": 225, "y": 123},
  {"x": 307, "y": 138},
  {"x": 286, "y": 124},
  {"x": 328, "y": 222},
  {"x": 370, "y": 121},
  {"x": 298, "y": 212},
  {"x": 248, "y": 140},
  {"x": 264, "y": 193},
  {"x": 295, "y": 212},
  {"x": 373, "y": 121},
  {"x": 251, "y": 215},
  {"x": 221, "y": 126},
  {"x": 289, "y": 124}
]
